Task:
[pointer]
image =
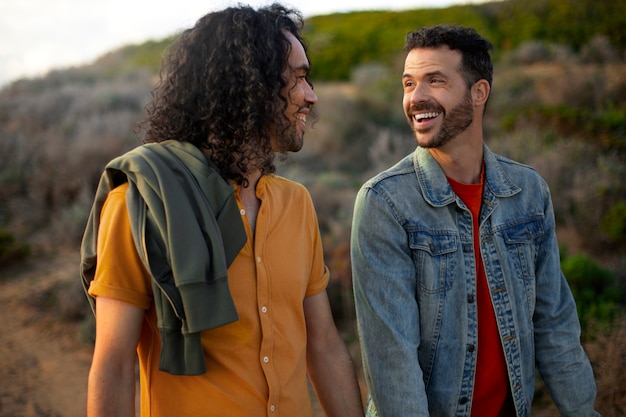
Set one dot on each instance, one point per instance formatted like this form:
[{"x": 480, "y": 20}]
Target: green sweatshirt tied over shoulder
[{"x": 187, "y": 229}]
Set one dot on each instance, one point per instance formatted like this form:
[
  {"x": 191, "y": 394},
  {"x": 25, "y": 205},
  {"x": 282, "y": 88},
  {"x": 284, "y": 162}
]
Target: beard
[
  {"x": 289, "y": 141},
  {"x": 455, "y": 122},
  {"x": 290, "y": 138}
]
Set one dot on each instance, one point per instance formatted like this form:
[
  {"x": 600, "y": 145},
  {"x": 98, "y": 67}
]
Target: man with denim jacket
[{"x": 457, "y": 280}]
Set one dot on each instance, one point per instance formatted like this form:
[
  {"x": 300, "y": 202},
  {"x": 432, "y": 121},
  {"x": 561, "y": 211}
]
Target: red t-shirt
[{"x": 491, "y": 396}]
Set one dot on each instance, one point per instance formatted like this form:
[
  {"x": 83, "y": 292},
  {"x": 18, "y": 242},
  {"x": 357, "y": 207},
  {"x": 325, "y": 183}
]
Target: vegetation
[
  {"x": 340, "y": 42},
  {"x": 595, "y": 291},
  {"x": 558, "y": 104},
  {"x": 10, "y": 251}
]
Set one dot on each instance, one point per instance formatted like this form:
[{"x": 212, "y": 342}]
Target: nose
[
  {"x": 309, "y": 95},
  {"x": 419, "y": 94}
]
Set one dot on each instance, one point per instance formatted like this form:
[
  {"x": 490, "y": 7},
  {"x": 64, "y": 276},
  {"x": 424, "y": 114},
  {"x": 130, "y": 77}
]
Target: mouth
[
  {"x": 301, "y": 118},
  {"x": 421, "y": 117}
]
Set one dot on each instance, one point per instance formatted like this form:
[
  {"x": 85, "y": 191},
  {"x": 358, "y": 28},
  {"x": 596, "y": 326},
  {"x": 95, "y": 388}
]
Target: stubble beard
[
  {"x": 292, "y": 140},
  {"x": 455, "y": 122}
]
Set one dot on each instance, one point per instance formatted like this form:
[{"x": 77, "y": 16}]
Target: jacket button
[
  {"x": 470, "y": 348},
  {"x": 463, "y": 400},
  {"x": 470, "y": 298}
]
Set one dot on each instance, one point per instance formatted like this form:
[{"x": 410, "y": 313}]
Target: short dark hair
[
  {"x": 220, "y": 87},
  {"x": 475, "y": 59}
]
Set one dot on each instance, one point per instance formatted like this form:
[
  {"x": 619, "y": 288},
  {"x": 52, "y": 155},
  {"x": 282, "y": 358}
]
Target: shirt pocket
[
  {"x": 520, "y": 240},
  {"x": 433, "y": 255}
]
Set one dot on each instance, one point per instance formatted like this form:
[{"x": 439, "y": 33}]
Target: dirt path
[{"x": 43, "y": 364}]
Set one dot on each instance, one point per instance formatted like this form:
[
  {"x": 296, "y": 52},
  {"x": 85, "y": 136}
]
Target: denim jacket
[{"x": 415, "y": 284}]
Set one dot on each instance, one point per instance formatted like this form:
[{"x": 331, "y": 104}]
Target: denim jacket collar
[{"x": 437, "y": 190}]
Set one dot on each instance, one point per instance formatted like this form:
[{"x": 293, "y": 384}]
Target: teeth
[{"x": 422, "y": 116}]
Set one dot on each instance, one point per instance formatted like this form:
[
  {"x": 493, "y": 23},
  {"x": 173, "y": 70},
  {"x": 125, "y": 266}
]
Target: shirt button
[
  {"x": 242, "y": 211},
  {"x": 266, "y": 359},
  {"x": 258, "y": 259},
  {"x": 264, "y": 309},
  {"x": 272, "y": 408}
]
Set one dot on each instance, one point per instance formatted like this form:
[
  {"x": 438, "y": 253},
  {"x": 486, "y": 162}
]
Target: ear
[{"x": 480, "y": 92}]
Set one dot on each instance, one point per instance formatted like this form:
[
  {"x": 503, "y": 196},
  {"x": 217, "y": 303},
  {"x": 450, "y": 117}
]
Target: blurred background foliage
[
  {"x": 558, "y": 104},
  {"x": 340, "y": 42}
]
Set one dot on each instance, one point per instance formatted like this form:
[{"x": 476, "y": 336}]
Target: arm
[
  {"x": 111, "y": 386},
  {"x": 329, "y": 364},
  {"x": 561, "y": 360},
  {"x": 388, "y": 316}
]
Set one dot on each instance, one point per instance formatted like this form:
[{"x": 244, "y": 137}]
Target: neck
[
  {"x": 249, "y": 199},
  {"x": 461, "y": 161},
  {"x": 253, "y": 179}
]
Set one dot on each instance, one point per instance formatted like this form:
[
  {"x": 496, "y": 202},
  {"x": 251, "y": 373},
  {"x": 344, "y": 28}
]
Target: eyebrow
[
  {"x": 428, "y": 74},
  {"x": 302, "y": 67}
]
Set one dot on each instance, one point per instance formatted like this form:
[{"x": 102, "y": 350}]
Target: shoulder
[
  {"x": 507, "y": 177},
  {"x": 284, "y": 186},
  {"x": 511, "y": 164},
  {"x": 519, "y": 172},
  {"x": 401, "y": 169},
  {"x": 288, "y": 195},
  {"x": 116, "y": 199}
]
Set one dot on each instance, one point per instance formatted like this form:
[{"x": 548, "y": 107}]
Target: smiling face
[
  {"x": 300, "y": 98},
  {"x": 437, "y": 102}
]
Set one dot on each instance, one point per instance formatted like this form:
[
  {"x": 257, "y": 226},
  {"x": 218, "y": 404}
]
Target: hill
[{"x": 558, "y": 104}]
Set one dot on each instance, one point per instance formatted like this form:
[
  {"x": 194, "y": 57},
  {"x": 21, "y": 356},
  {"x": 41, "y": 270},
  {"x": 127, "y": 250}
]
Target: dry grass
[{"x": 608, "y": 356}]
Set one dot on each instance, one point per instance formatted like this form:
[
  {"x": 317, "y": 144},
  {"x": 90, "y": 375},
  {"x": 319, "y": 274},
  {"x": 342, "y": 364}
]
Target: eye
[{"x": 304, "y": 78}]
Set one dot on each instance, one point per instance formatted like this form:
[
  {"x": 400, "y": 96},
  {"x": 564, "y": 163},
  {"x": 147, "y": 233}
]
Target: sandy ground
[
  {"x": 43, "y": 361},
  {"x": 43, "y": 364}
]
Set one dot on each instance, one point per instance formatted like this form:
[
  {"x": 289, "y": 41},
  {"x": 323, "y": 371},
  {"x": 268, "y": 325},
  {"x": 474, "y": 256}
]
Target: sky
[{"x": 39, "y": 35}]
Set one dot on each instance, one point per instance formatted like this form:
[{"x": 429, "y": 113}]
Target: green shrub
[
  {"x": 614, "y": 223},
  {"x": 10, "y": 251},
  {"x": 595, "y": 291}
]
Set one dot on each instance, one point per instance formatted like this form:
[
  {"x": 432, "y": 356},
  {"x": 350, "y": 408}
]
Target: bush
[
  {"x": 595, "y": 291},
  {"x": 599, "y": 50},
  {"x": 535, "y": 51},
  {"x": 10, "y": 251},
  {"x": 614, "y": 223},
  {"x": 608, "y": 357}
]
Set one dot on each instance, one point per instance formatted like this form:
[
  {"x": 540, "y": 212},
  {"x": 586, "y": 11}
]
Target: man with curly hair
[{"x": 200, "y": 260}]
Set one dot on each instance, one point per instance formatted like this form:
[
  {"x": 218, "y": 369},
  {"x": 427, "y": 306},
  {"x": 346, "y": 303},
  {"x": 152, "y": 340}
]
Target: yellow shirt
[{"x": 256, "y": 365}]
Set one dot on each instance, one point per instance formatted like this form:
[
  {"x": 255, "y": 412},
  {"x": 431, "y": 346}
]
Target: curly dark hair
[
  {"x": 220, "y": 87},
  {"x": 475, "y": 62}
]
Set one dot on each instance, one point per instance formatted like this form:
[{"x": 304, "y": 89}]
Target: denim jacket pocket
[
  {"x": 433, "y": 255},
  {"x": 520, "y": 240}
]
